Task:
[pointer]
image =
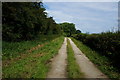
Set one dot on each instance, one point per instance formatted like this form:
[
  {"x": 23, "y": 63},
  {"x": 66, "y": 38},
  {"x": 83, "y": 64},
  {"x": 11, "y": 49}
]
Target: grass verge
[
  {"x": 15, "y": 49},
  {"x": 36, "y": 64},
  {"x": 102, "y": 62},
  {"x": 73, "y": 68}
]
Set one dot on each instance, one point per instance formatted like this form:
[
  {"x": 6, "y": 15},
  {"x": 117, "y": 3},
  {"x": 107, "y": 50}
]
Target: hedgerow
[{"x": 107, "y": 44}]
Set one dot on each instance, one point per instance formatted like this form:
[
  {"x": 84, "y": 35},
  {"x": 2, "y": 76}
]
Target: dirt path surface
[
  {"x": 59, "y": 63},
  {"x": 86, "y": 66}
]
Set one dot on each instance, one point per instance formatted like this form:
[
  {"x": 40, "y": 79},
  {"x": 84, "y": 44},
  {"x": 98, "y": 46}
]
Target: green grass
[
  {"x": 14, "y": 49},
  {"x": 36, "y": 64},
  {"x": 73, "y": 68},
  {"x": 102, "y": 62}
]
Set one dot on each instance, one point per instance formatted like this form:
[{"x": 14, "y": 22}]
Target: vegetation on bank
[
  {"x": 102, "y": 62},
  {"x": 16, "y": 49},
  {"x": 35, "y": 64},
  {"x": 107, "y": 44},
  {"x": 73, "y": 69}
]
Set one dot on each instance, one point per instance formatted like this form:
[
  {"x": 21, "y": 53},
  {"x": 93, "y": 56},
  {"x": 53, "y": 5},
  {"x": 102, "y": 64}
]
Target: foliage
[
  {"x": 78, "y": 31},
  {"x": 107, "y": 44},
  {"x": 25, "y": 20},
  {"x": 68, "y": 28}
]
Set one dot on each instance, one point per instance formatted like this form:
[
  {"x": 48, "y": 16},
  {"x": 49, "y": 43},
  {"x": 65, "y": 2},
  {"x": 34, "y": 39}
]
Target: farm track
[{"x": 59, "y": 64}]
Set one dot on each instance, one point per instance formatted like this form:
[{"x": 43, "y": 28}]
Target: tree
[
  {"x": 68, "y": 28},
  {"x": 78, "y": 31},
  {"x": 25, "y": 20}
]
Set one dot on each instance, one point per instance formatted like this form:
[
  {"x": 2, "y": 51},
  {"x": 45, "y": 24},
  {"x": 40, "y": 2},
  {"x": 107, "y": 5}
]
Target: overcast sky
[{"x": 92, "y": 17}]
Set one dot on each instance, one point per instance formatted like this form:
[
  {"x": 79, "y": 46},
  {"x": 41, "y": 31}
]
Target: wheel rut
[
  {"x": 59, "y": 63},
  {"x": 86, "y": 66}
]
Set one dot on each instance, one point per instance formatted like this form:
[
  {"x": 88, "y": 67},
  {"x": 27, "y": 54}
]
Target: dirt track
[{"x": 59, "y": 64}]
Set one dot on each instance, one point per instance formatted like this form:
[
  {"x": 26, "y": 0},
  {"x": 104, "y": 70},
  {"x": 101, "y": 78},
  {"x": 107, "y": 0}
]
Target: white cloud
[
  {"x": 88, "y": 17},
  {"x": 59, "y": 16},
  {"x": 109, "y": 6}
]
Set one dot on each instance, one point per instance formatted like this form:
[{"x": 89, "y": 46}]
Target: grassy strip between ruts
[
  {"x": 36, "y": 64},
  {"x": 73, "y": 68},
  {"x": 101, "y": 62}
]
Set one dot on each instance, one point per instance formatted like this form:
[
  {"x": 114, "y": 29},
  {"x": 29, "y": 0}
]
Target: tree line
[{"x": 26, "y": 20}]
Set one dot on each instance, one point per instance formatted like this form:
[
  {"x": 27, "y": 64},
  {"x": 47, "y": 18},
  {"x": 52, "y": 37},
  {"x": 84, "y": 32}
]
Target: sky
[{"x": 90, "y": 17}]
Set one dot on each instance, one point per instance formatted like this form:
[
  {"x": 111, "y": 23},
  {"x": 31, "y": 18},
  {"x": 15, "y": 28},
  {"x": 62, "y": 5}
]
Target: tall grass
[{"x": 14, "y": 49}]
